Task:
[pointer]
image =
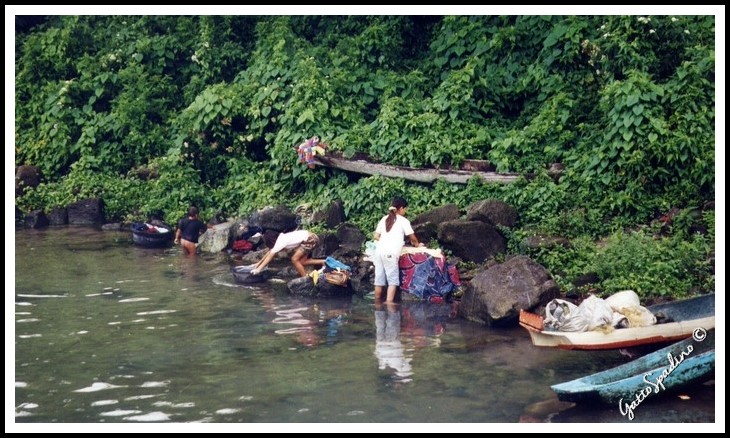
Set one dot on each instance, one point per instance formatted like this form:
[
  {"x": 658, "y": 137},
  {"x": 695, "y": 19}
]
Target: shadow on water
[{"x": 126, "y": 334}]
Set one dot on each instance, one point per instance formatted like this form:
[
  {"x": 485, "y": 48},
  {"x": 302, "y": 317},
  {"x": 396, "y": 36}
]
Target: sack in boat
[{"x": 338, "y": 278}]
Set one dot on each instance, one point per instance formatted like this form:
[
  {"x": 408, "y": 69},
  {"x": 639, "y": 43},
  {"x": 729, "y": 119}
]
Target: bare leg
[
  {"x": 300, "y": 259},
  {"x": 310, "y": 262},
  {"x": 391, "y": 294},
  {"x": 379, "y": 294},
  {"x": 188, "y": 247}
]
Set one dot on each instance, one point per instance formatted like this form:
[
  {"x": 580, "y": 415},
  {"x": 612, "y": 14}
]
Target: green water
[{"x": 108, "y": 332}]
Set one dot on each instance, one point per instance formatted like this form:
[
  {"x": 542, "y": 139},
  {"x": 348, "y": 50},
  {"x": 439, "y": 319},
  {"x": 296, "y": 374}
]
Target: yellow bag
[{"x": 339, "y": 278}]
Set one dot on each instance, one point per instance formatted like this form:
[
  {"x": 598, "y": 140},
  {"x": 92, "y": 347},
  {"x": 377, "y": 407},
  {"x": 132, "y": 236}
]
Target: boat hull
[
  {"x": 686, "y": 317},
  {"x": 681, "y": 364},
  {"x": 619, "y": 338}
]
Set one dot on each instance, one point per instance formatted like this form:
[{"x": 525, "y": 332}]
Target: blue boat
[{"x": 687, "y": 362}]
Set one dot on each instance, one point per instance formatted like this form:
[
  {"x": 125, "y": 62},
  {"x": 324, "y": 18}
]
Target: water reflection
[
  {"x": 424, "y": 323},
  {"x": 388, "y": 347},
  {"x": 311, "y": 324}
]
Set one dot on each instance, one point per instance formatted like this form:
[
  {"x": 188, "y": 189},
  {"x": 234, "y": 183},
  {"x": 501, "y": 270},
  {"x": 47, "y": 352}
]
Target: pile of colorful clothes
[
  {"x": 309, "y": 149},
  {"x": 425, "y": 274}
]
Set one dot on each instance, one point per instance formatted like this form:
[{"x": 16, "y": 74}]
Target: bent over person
[
  {"x": 304, "y": 241},
  {"x": 189, "y": 230}
]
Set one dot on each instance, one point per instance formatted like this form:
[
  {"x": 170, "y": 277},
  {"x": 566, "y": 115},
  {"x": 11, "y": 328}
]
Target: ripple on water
[
  {"x": 226, "y": 411},
  {"x": 98, "y": 386},
  {"x": 104, "y": 402},
  {"x": 141, "y": 397},
  {"x": 152, "y": 416},
  {"x": 156, "y": 312},
  {"x": 119, "y": 413},
  {"x": 41, "y": 296},
  {"x": 154, "y": 384},
  {"x": 133, "y": 300},
  {"x": 160, "y": 404}
]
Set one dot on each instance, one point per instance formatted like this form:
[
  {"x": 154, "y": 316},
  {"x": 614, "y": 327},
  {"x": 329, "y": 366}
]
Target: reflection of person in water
[{"x": 388, "y": 347}]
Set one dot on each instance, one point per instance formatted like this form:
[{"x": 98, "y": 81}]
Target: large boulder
[
  {"x": 425, "y": 225},
  {"x": 328, "y": 244},
  {"x": 496, "y": 295},
  {"x": 86, "y": 212},
  {"x": 217, "y": 238},
  {"x": 426, "y": 232},
  {"x": 351, "y": 240},
  {"x": 58, "y": 216},
  {"x": 492, "y": 211},
  {"x": 448, "y": 212},
  {"x": 36, "y": 219},
  {"x": 304, "y": 286},
  {"x": 279, "y": 218},
  {"x": 19, "y": 218},
  {"x": 332, "y": 216},
  {"x": 542, "y": 241},
  {"x": 473, "y": 241},
  {"x": 25, "y": 177}
]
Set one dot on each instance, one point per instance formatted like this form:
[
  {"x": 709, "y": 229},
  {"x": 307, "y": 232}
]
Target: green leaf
[
  {"x": 628, "y": 135},
  {"x": 638, "y": 109},
  {"x": 652, "y": 137},
  {"x": 265, "y": 111},
  {"x": 555, "y": 35}
]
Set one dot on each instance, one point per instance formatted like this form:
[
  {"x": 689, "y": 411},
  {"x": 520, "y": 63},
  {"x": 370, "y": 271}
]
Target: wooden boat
[
  {"x": 242, "y": 274},
  {"x": 152, "y": 236},
  {"x": 684, "y": 363},
  {"x": 682, "y": 318}
]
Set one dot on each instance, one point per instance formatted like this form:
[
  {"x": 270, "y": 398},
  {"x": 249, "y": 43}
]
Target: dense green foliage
[{"x": 213, "y": 107}]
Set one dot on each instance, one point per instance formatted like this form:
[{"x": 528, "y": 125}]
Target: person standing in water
[
  {"x": 189, "y": 230},
  {"x": 389, "y": 235}
]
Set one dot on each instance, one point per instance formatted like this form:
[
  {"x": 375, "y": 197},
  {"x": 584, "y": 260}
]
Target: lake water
[{"x": 108, "y": 332}]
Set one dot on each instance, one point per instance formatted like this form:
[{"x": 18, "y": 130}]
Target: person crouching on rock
[{"x": 304, "y": 241}]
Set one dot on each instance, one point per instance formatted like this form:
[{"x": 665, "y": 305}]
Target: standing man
[{"x": 188, "y": 231}]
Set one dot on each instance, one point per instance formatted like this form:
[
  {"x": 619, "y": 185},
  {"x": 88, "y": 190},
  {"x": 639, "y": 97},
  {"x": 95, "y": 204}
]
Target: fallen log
[{"x": 411, "y": 174}]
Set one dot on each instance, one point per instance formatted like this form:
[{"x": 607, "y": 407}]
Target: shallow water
[{"x": 108, "y": 332}]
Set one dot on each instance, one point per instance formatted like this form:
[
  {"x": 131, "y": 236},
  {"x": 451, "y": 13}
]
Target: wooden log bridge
[{"x": 411, "y": 174}]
